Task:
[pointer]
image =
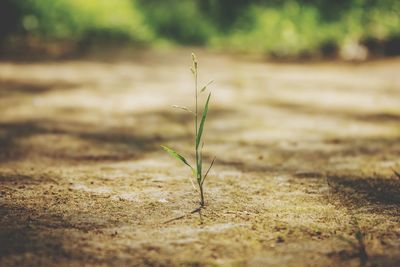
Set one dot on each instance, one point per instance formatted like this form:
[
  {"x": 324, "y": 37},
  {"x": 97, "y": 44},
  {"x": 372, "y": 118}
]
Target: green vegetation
[
  {"x": 197, "y": 172},
  {"x": 178, "y": 21},
  {"x": 296, "y": 29},
  {"x": 80, "y": 20},
  {"x": 282, "y": 28}
]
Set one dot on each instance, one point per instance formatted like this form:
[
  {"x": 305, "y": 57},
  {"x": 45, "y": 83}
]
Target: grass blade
[
  {"x": 209, "y": 168},
  {"x": 200, "y": 164},
  {"x": 181, "y": 158},
  {"x": 177, "y": 156},
  {"x": 203, "y": 120}
]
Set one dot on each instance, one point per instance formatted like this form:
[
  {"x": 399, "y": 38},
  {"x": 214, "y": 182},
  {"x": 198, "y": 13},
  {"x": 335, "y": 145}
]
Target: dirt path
[{"x": 304, "y": 157}]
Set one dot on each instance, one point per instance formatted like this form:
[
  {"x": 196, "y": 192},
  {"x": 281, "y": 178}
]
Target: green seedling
[{"x": 197, "y": 171}]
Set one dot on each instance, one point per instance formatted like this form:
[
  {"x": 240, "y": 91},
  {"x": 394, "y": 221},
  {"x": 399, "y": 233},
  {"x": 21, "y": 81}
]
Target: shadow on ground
[
  {"x": 9, "y": 88},
  {"x": 374, "y": 190}
]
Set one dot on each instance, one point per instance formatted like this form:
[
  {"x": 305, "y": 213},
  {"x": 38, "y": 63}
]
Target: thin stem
[
  {"x": 198, "y": 157},
  {"x": 201, "y": 196},
  {"x": 209, "y": 168},
  {"x": 196, "y": 119}
]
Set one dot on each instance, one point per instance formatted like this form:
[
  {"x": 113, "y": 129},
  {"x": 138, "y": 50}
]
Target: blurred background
[
  {"x": 306, "y": 142},
  {"x": 295, "y": 29}
]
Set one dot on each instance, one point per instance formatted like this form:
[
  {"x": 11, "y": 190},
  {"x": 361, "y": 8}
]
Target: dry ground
[{"x": 303, "y": 175}]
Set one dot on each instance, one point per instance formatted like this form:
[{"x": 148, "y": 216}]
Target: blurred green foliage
[
  {"x": 79, "y": 20},
  {"x": 293, "y": 28},
  {"x": 180, "y": 21},
  {"x": 285, "y": 28}
]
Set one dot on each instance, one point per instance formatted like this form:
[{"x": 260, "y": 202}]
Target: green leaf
[
  {"x": 200, "y": 165},
  {"x": 203, "y": 120},
  {"x": 177, "y": 156}
]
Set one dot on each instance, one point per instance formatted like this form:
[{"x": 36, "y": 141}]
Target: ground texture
[{"x": 303, "y": 175}]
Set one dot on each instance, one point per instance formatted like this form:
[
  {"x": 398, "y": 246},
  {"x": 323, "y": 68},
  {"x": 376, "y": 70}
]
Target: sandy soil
[{"x": 303, "y": 175}]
